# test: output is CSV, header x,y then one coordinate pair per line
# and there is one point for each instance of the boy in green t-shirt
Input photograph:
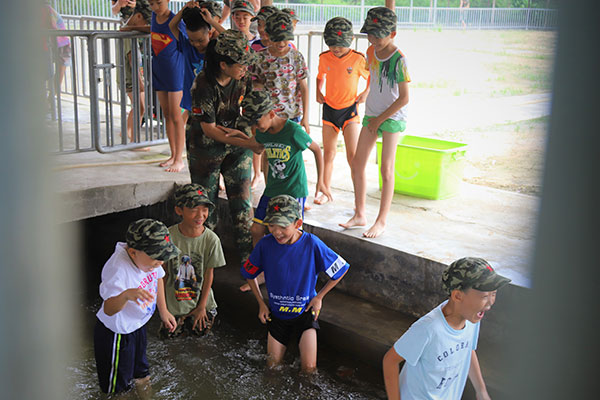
x,y
189,278
284,141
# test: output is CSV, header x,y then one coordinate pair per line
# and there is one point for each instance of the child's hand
x,y
206,15
131,3
320,97
122,3
361,98
190,4
321,188
304,123
315,307
229,132
139,295
373,125
199,317
169,321
264,314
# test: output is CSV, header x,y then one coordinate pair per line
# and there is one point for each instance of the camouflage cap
x,y
243,5
142,7
282,210
292,13
215,9
338,32
265,12
380,22
192,195
279,27
234,45
151,237
256,104
471,273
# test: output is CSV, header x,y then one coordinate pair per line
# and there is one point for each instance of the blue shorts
x,y
120,358
261,209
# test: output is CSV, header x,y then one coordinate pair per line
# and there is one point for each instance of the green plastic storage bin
x,y
427,168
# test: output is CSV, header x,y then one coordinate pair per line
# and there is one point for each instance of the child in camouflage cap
x,y
439,348
132,287
341,67
385,116
188,286
291,260
282,71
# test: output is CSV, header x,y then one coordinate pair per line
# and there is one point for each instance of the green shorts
x,y
389,125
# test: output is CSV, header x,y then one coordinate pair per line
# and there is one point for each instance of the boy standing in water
x,y
188,287
132,287
385,116
291,260
439,348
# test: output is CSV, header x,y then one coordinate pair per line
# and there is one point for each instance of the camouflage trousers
x,y
235,163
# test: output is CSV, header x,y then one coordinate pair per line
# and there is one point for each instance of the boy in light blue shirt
x,y
439,348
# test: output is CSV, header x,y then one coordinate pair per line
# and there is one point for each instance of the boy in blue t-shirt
x,y
200,27
439,348
291,260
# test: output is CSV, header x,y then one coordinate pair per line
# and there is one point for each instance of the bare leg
x,y
169,102
330,137
275,351
388,158
366,141
256,166
308,350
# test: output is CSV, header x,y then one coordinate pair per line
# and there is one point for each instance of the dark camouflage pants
x,y
235,163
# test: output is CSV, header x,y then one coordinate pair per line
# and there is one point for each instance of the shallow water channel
x,y
228,363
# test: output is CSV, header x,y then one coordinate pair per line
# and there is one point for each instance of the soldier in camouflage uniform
x,y
439,348
132,288
214,145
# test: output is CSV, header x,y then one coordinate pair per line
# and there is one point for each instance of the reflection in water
x,y
229,363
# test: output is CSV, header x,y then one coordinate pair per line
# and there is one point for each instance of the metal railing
x,y
316,15
91,103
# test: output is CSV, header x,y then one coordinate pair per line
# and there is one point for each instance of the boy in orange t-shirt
x,y
341,67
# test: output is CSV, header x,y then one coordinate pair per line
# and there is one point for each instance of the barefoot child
x,y
188,285
132,287
341,67
167,79
439,348
284,141
291,260
385,115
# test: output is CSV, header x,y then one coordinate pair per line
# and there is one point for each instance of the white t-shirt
x,y
119,274
437,357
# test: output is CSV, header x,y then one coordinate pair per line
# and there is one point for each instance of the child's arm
x,y
304,93
167,318
320,97
391,369
400,102
214,22
317,301
263,309
115,304
361,98
118,4
174,24
231,136
477,379
199,313
314,147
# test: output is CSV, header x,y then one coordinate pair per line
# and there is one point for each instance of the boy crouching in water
x,y
291,260
131,288
188,286
439,348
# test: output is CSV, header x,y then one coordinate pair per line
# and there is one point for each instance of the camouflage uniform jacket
x,y
214,103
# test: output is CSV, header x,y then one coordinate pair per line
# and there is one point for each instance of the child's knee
x,y
387,173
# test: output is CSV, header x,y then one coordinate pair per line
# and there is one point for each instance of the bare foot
x,y
245,288
260,279
141,149
307,207
167,163
322,199
354,221
221,183
175,167
374,231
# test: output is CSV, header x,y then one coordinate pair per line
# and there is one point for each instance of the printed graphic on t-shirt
x,y
186,283
278,154
160,41
288,304
150,284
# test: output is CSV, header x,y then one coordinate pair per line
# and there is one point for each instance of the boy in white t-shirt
x,y
131,288
439,348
